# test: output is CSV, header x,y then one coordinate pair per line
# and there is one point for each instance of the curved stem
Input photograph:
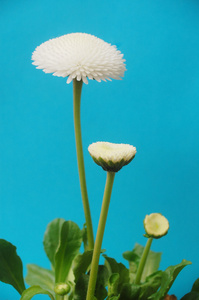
x,y
143,261
100,233
77,88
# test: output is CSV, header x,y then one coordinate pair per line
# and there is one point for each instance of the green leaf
x,y
168,277
134,256
191,296
52,238
11,269
35,290
129,292
81,263
194,294
40,276
115,267
151,285
102,282
70,242
81,287
142,291
113,284
100,290
195,287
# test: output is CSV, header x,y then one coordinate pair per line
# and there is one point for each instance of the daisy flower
x,y
79,56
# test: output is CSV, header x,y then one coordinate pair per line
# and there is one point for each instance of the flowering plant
x,y
74,274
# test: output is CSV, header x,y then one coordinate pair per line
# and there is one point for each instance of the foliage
x,y
62,242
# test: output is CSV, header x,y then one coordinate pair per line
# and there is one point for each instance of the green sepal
x,y
168,277
52,238
35,290
134,256
40,277
70,242
109,165
11,268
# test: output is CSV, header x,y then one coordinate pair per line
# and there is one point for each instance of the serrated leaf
x,y
40,276
11,268
134,256
52,238
168,277
81,263
70,242
35,290
115,267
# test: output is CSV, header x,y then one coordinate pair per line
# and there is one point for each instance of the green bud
x,y
62,288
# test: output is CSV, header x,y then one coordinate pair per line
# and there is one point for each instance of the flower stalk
x,y
100,233
77,88
143,260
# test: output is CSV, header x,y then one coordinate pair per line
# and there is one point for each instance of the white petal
x,y
81,56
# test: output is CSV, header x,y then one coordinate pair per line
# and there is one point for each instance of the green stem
x,y
100,233
77,88
143,261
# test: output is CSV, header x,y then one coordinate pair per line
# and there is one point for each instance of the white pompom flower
x,y
111,157
80,56
156,225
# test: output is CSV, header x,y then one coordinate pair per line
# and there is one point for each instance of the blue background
x,y
155,108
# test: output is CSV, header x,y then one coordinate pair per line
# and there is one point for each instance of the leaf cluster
x,y
62,244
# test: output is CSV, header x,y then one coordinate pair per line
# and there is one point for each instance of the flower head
x,y
156,225
111,157
81,56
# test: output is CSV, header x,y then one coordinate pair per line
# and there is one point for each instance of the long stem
x,y
143,261
77,88
100,233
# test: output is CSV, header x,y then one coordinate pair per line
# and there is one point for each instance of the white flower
x,y
111,157
80,56
156,225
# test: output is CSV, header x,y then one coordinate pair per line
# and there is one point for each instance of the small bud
x,y
111,157
62,288
156,225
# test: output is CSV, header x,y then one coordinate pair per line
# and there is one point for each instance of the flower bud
x,y
111,157
62,288
156,225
